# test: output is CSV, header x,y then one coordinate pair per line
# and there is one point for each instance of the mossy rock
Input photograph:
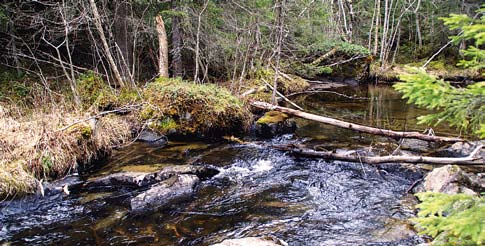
x,y
274,123
272,117
164,126
193,109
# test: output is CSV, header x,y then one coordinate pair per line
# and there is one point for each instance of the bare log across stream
x,y
356,157
355,127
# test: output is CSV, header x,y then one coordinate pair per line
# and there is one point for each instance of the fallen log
x,y
356,157
252,91
355,127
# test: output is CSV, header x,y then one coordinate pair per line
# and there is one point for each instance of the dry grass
x,y
32,147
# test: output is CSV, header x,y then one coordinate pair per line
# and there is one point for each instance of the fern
x,y
451,219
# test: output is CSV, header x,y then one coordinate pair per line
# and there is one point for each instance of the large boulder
x,y
452,180
160,194
184,109
253,241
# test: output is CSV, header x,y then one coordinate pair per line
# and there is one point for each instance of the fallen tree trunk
x,y
356,127
356,157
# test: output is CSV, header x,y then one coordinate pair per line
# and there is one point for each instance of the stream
x,y
257,192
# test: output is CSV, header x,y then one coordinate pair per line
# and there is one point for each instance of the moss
x,y
193,109
272,117
93,90
437,65
164,126
81,131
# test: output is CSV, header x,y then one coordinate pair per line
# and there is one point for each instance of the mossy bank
x,y
43,141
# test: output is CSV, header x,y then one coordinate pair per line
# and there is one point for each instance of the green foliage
x,y
451,219
309,70
463,108
92,89
472,29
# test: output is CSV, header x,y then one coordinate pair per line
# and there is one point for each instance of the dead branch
x,y
252,91
324,56
119,110
330,92
355,127
355,157
281,95
345,61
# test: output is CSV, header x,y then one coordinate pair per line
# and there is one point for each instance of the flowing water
x,y
258,191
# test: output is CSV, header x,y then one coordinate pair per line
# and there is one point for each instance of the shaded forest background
x,y
217,40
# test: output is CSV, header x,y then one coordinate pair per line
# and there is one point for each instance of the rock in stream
x,y
141,179
160,194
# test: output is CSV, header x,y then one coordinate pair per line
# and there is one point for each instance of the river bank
x,y
48,137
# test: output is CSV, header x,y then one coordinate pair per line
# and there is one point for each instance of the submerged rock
x,y
274,123
452,180
152,137
176,187
253,241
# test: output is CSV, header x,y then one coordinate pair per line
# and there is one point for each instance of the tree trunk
x,y
109,56
176,44
418,28
378,21
72,81
279,40
122,36
355,127
162,47
356,157
197,42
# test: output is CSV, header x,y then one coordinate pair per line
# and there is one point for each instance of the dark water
x,y
259,191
